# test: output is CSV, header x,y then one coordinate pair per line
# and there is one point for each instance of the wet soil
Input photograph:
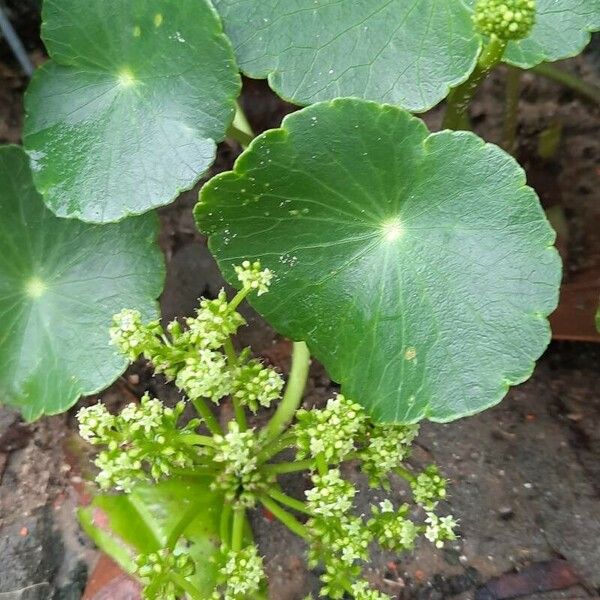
x,y
525,475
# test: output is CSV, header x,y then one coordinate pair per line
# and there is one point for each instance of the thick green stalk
x,y
225,525
240,130
237,533
293,392
586,90
288,520
461,96
511,109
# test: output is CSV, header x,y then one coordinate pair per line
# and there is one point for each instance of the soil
x,y
525,475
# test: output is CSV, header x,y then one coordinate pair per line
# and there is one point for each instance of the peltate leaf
x,y
61,281
406,53
562,30
127,113
141,522
418,267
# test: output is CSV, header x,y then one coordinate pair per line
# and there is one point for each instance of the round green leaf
x,y
405,53
61,281
418,267
562,29
127,113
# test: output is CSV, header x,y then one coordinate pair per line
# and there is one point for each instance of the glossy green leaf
x,y
60,283
562,30
127,113
405,53
418,267
598,319
142,521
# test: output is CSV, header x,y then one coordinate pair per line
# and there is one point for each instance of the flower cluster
x,y
440,529
214,323
330,432
205,375
253,278
362,591
428,488
387,446
255,384
331,495
131,336
146,442
392,528
240,575
154,571
239,478
505,19
143,442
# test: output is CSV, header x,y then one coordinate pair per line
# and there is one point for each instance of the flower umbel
x,y
154,572
252,277
241,574
429,487
143,443
505,19
329,432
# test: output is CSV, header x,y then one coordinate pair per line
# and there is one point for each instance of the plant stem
x,y
197,440
225,525
293,392
204,411
289,467
288,501
511,109
237,533
240,129
288,520
461,96
188,516
232,361
322,465
587,90
405,474
282,443
186,586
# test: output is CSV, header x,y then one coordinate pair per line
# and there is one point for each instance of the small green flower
x,y
205,375
255,384
505,19
253,278
331,495
241,574
143,442
387,446
240,479
329,432
153,570
336,577
429,487
393,529
362,591
213,323
131,337
440,529
95,423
